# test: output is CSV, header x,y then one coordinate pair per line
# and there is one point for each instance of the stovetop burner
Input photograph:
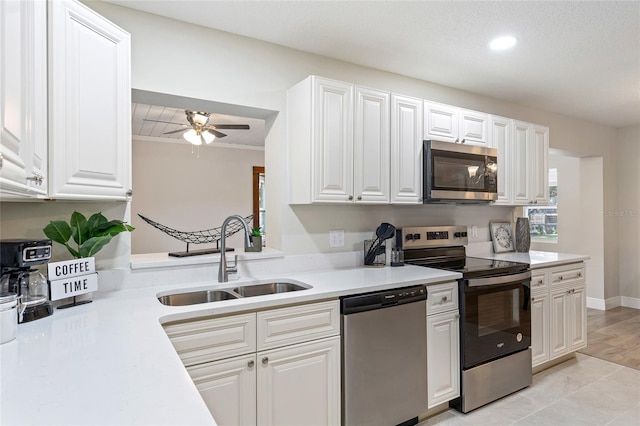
x,y
443,248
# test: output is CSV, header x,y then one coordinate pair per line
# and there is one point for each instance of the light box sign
x,y
72,277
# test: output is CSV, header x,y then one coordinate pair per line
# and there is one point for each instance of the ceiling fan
x,y
200,131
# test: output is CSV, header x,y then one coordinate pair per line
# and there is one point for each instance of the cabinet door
x,y
406,150
473,127
300,384
443,357
441,122
333,141
521,166
23,99
539,328
539,158
558,334
371,146
89,107
500,138
578,315
229,389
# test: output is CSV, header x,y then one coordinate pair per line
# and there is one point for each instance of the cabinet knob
x,y
129,193
533,299
359,197
463,141
250,364
540,281
457,316
568,291
579,274
265,360
350,197
535,202
443,300
457,140
560,278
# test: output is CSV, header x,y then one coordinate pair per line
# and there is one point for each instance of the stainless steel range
x,y
495,314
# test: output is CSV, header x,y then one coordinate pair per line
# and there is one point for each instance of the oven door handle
x,y
504,279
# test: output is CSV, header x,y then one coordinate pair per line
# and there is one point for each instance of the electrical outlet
x,y
474,231
336,238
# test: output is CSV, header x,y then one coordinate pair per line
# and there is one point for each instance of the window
x,y
259,211
543,220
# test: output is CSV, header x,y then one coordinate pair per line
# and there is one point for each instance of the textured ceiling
x,y
577,58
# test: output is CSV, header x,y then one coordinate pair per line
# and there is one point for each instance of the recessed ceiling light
x,y
502,43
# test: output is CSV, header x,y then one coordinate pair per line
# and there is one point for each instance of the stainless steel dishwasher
x,y
384,357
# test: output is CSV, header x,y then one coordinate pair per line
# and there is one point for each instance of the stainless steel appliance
x,y
459,173
384,357
17,259
495,313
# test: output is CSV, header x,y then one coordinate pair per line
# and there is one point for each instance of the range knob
x,y
416,236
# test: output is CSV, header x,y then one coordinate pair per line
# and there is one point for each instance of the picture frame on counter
x,y
502,237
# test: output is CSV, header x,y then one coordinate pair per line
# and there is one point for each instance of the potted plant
x,y
89,235
256,239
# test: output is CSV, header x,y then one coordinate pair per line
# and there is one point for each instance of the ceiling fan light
x,y
192,136
208,137
200,117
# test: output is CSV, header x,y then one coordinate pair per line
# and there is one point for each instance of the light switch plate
x,y
336,238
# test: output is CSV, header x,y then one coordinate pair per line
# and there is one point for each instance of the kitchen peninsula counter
x,y
110,361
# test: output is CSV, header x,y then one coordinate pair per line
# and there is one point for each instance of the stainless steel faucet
x,y
223,270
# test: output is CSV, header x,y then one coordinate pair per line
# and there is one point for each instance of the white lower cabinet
x,y
558,312
539,328
288,372
228,388
300,384
443,343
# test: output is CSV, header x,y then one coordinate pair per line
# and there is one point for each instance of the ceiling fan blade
x,y
173,131
167,122
217,133
231,126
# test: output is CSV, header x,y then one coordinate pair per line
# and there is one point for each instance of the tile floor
x,y
581,391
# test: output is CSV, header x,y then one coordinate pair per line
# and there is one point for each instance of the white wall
x,y
239,70
627,215
189,190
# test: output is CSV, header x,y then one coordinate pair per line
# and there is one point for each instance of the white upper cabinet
x,y
500,138
452,124
371,146
406,150
529,163
23,99
338,148
89,105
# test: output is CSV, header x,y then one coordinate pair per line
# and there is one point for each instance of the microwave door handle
x,y
504,279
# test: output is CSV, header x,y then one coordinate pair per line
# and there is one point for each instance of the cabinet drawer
x,y
214,338
297,324
567,274
442,297
539,279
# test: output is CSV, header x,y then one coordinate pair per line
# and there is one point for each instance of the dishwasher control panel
x,y
382,299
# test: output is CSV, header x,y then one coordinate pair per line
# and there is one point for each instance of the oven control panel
x,y
431,236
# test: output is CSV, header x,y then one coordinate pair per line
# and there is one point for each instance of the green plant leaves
x,y
89,235
93,245
58,231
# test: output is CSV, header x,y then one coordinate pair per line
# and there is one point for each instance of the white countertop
x,y
110,361
537,259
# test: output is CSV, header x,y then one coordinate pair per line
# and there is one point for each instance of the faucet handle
x,y
233,269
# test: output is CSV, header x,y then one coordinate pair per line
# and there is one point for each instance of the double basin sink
x,y
206,296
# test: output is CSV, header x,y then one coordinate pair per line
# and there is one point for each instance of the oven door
x,y
495,317
459,172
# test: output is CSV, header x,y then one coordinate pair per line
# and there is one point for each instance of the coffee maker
x,y
17,259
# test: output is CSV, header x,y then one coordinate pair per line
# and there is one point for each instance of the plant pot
x,y
257,244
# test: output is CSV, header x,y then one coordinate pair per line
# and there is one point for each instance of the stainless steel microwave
x,y
458,173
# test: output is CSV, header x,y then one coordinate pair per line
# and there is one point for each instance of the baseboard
x,y
630,302
613,302
594,303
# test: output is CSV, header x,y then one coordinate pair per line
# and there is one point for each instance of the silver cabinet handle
x,y
36,178
265,360
251,364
